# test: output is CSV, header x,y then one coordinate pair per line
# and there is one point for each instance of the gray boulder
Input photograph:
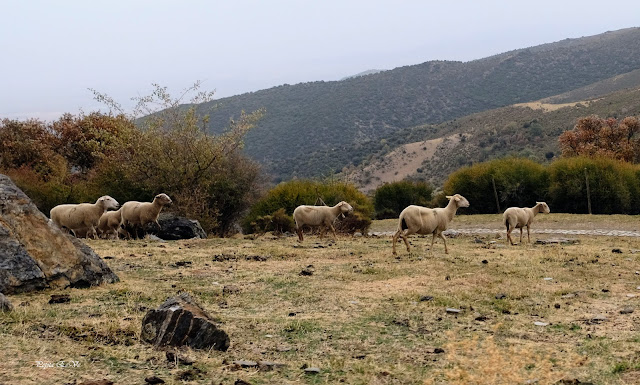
x,y
173,227
180,321
35,254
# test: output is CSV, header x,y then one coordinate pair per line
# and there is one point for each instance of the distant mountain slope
x,y
363,73
432,152
316,128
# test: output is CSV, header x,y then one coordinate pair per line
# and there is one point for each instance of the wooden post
x,y
586,180
495,193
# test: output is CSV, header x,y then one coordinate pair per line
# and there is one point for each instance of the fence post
x,y
495,194
586,180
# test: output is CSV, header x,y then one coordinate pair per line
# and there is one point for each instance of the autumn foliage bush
x,y
79,158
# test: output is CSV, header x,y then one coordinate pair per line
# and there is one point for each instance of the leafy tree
x,y
597,137
205,175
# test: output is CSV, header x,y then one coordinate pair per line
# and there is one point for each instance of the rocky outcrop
x,y
180,321
35,254
173,227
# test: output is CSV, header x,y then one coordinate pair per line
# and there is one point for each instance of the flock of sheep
x,y
94,219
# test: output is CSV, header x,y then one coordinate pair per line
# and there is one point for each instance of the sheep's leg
x,y
333,230
406,241
433,239
509,236
521,235
394,240
528,237
444,240
299,232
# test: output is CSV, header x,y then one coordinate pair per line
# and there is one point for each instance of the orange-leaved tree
x,y
593,136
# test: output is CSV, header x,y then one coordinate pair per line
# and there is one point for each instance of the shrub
x,y
391,198
289,195
519,182
614,186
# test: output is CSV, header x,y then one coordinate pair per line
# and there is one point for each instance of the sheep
x,y
83,216
518,217
422,220
319,216
135,213
109,224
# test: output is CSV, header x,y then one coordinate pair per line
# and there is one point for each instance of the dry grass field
x,y
363,317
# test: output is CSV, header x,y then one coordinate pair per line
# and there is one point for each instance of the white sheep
x,y
109,224
83,216
423,220
319,216
519,217
135,213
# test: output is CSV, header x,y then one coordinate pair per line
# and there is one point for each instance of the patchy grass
x,y
363,317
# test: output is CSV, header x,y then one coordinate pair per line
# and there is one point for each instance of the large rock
x,y
180,321
36,254
173,227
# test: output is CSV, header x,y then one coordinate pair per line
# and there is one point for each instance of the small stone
x,y
631,295
268,335
617,251
246,364
598,319
153,380
484,261
501,296
59,298
5,304
241,382
269,365
309,270
292,314
548,279
605,290
425,298
96,382
557,306
626,310
569,295
538,323
180,359
438,350
453,310
230,289
312,370
481,318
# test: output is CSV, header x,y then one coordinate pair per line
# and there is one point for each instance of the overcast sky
x,y
51,52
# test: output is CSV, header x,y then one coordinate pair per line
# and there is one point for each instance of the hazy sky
x,y
51,52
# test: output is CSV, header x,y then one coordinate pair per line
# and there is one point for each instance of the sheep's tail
x,y
403,224
506,223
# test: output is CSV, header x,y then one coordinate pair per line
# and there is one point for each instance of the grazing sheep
x,y
109,224
138,214
82,217
422,220
319,216
519,217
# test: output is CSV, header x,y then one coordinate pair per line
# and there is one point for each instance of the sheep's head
x,y
345,207
459,200
544,208
163,199
108,202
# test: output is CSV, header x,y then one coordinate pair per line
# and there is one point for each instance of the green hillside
x,y
527,130
317,128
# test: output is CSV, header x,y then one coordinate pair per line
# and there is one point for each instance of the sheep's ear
x,y
448,197
457,198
